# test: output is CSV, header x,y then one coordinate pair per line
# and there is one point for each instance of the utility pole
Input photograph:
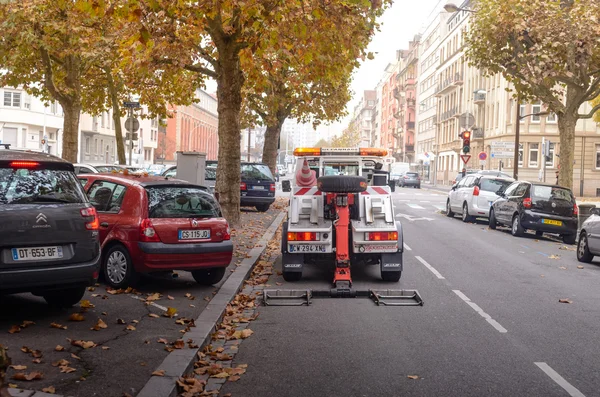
x,y
249,142
131,137
517,131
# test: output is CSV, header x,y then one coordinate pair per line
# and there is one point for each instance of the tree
x,y
323,143
223,40
595,102
350,137
549,51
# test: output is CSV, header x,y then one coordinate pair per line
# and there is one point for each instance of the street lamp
x,y
517,138
451,7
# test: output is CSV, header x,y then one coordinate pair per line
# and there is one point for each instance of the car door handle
x,y
104,224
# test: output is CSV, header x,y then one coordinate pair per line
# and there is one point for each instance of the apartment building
x,y
364,118
406,96
389,107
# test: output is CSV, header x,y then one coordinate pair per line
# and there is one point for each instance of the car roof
x,y
7,155
139,180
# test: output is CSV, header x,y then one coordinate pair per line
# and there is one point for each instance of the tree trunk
x,y
72,111
230,80
114,98
566,126
269,155
4,363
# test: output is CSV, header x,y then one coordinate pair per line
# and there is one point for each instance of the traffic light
x,y
466,137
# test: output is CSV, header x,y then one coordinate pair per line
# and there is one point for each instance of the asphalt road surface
x,y
492,323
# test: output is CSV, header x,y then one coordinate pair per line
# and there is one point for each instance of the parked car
x,y
589,238
473,196
210,175
410,178
96,168
170,171
150,224
536,206
257,186
156,169
495,173
459,176
48,229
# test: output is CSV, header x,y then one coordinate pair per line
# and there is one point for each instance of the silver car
x,y
473,196
589,238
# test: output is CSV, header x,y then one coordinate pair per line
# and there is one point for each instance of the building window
x,y
598,156
550,159
96,148
551,118
536,108
53,107
87,145
103,120
520,154
533,154
522,110
94,123
12,99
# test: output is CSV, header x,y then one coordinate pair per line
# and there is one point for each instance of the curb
x,y
180,362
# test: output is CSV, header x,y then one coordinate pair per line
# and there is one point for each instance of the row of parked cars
x,y
60,232
522,206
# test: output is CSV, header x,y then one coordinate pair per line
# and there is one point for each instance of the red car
x,y
150,224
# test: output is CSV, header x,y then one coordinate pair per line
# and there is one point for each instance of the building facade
x,y
363,119
389,107
406,95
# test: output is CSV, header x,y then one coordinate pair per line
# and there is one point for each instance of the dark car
x,y
153,224
539,207
257,186
49,242
410,178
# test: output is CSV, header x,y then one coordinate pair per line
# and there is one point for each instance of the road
x,y
492,323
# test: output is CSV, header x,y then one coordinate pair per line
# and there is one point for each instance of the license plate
x,y
36,253
552,222
194,234
258,187
306,248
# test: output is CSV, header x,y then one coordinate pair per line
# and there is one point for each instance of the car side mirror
x,y
286,186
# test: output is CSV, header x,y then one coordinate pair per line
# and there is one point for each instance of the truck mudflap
x,y
391,263
292,262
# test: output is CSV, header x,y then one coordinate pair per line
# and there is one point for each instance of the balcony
x,y
448,84
478,133
458,79
479,98
410,125
409,148
411,102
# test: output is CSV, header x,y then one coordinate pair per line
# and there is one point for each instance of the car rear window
x,y
181,202
546,193
494,185
35,186
108,168
412,174
256,171
210,173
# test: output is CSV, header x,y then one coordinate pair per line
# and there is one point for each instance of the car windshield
x,y
210,173
546,193
256,171
340,169
494,185
108,168
181,202
27,186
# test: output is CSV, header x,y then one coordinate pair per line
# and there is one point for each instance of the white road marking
x,y
428,266
415,206
410,218
164,309
440,207
479,310
406,247
424,201
560,380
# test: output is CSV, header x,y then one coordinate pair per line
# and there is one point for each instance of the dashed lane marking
x,y
428,266
555,376
480,311
415,206
406,247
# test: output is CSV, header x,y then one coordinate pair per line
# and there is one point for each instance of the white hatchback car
x,y
473,196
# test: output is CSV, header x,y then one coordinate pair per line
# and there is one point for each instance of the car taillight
x,y
382,236
575,209
476,191
227,234
91,212
272,187
24,164
147,232
527,203
242,186
405,177
301,236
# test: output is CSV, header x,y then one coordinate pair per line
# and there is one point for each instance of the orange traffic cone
x,y
305,177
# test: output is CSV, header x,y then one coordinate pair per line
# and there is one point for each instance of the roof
x,y
140,180
28,155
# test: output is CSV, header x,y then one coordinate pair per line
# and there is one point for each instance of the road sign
x,y
467,120
133,105
132,124
482,156
502,150
128,136
465,158
482,162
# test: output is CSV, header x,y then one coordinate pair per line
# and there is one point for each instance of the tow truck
x,y
341,215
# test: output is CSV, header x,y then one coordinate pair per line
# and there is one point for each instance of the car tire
x,y
209,276
291,276
65,297
516,229
449,212
117,268
263,207
493,221
391,276
465,214
569,239
583,249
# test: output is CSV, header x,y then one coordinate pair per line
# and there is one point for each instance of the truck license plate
x,y
306,248
194,234
36,253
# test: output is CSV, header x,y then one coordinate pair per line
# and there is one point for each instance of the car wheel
x,y
118,269
516,229
291,276
449,212
391,276
263,207
465,214
493,221
569,238
583,249
65,297
208,276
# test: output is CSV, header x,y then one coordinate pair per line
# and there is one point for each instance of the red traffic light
x,y
466,135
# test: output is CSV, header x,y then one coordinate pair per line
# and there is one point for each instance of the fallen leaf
x,y
562,268
190,296
234,378
58,326
27,323
86,304
171,311
412,377
104,313
67,370
36,353
75,356
49,389
179,344
163,340
37,361
60,363
130,328
169,297
153,297
246,333
13,386
120,321
565,300
135,321
14,329
59,348
84,344
192,306
25,349
28,377
554,257
160,372
153,315
220,375
76,317
579,267
19,367
207,298
99,325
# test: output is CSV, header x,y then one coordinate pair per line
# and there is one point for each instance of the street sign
x,y
482,162
128,136
132,124
502,150
467,120
482,156
465,158
133,105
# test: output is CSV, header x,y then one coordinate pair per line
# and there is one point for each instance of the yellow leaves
x,y
413,377
153,315
566,300
153,297
86,304
160,372
130,328
171,311
76,317
49,390
57,326
59,348
99,325
19,367
242,334
83,344
28,376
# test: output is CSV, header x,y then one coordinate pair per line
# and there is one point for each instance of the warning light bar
x,y
302,152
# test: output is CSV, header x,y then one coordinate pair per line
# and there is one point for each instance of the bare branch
x,y
49,77
591,113
592,92
201,69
